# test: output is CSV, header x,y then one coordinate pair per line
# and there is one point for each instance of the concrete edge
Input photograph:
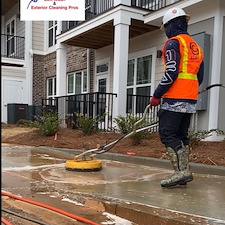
x,y
143,214
140,160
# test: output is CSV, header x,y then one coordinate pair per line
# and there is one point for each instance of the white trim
x,y
13,61
12,68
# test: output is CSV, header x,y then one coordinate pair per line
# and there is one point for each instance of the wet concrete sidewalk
x,y
128,186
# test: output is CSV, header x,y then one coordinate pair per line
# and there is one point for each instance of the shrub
x,y
126,124
87,124
49,123
28,123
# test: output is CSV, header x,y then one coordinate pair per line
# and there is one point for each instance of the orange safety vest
x,y
191,56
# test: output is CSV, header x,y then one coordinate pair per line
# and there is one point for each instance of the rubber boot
x,y
180,162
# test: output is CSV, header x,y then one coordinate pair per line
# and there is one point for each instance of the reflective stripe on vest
x,y
186,84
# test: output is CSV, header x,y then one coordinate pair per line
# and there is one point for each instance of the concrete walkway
x,y
129,186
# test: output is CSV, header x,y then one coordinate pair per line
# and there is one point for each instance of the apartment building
x,y
111,62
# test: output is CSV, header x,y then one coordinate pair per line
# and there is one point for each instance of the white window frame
x,y
53,95
6,24
135,56
54,27
74,82
140,54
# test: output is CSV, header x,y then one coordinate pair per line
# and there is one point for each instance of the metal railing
x,y
98,105
152,4
12,46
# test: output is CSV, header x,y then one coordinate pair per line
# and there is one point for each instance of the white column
x,y
123,2
59,27
61,52
29,62
121,46
215,73
88,69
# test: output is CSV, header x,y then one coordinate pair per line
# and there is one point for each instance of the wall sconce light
x,y
159,54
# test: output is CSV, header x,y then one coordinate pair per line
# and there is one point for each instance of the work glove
x,y
154,101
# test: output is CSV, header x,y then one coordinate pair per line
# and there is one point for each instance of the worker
x,y
177,93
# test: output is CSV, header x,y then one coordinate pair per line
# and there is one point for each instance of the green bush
x,y
86,124
126,125
49,123
28,123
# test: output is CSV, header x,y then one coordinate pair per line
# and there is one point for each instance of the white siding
x,y
13,72
38,35
20,28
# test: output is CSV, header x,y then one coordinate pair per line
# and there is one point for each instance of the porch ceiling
x,y
6,5
103,35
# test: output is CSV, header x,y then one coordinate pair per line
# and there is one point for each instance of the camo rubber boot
x,y
180,162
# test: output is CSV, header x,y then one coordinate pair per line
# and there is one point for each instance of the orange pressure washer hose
x,y
81,219
6,222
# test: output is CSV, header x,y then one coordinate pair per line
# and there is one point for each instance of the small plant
x,y
87,124
196,137
27,123
49,123
126,124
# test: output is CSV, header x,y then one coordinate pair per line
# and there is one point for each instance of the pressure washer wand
x,y
211,86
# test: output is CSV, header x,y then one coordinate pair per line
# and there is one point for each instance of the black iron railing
x,y
12,46
98,105
152,4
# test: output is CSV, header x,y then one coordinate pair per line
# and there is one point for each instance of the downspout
x,y
29,61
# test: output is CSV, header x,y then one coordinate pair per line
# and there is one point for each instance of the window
x,y
139,83
52,28
51,87
10,30
102,68
77,82
66,25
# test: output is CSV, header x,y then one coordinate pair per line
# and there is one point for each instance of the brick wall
x,y
45,67
38,79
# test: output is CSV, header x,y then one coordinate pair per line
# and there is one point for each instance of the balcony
x,y
12,47
96,7
97,31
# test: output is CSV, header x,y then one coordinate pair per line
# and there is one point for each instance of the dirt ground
x,y
212,153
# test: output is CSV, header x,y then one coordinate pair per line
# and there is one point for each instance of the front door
x,y
102,100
